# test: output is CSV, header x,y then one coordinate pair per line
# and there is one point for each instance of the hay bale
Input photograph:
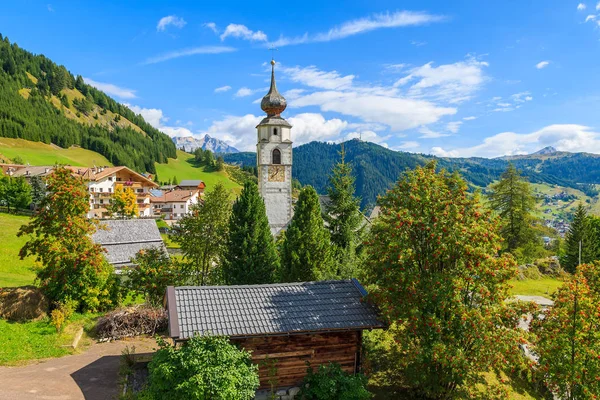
x,y
131,321
22,303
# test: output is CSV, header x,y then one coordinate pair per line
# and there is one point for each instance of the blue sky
x,y
466,78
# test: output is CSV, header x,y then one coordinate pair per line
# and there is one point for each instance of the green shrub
x,y
330,382
57,319
205,367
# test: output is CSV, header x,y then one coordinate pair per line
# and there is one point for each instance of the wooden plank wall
x,y
292,352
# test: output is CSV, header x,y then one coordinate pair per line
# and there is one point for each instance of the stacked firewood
x,y
131,321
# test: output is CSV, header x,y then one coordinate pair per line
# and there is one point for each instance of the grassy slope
x,y
13,270
183,168
37,153
535,287
35,340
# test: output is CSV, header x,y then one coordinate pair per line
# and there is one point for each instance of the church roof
x,y
273,103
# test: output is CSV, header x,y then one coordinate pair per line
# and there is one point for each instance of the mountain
x,y
190,143
41,101
546,150
377,168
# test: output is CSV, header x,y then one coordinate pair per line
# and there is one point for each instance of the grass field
x,y
13,270
35,340
535,287
183,168
37,153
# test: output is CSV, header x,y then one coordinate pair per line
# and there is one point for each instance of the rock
x,y
292,392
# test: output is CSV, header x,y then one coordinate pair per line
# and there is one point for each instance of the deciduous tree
x,y
124,202
251,256
202,235
569,337
73,267
306,251
435,271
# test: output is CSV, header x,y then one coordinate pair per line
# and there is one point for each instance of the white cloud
x,y
521,97
174,20
409,145
313,126
598,6
428,133
439,152
242,32
212,26
244,92
372,104
396,112
156,118
111,89
591,17
563,137
581,6
418,43
450,82
471,118
542,64
312,76
363,25
222,89
368,136
189,52
453,126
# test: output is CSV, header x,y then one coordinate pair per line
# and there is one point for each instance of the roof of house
x,y
124,238
190,182
275,309
174,196
98,173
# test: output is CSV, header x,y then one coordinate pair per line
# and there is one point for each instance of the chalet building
x,y
293,323
191,184
103,181
173,204
124,238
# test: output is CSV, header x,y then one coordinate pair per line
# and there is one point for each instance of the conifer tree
x,y
513,200
306,250
251,256
579,231
174,181
38,191
342,212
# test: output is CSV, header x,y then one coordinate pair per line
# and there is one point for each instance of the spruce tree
x,y
342,212
250,256
38,191
306,251
174,181
513,200
580,231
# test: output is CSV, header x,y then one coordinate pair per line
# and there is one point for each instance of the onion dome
x,y
273,103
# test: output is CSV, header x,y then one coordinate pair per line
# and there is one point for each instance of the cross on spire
x,y
273,49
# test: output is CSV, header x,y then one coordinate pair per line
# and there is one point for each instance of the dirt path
x,y
92,375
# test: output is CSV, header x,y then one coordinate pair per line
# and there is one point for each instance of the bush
x,y
205,367
151,275
22,303
131,321
57,319
330,382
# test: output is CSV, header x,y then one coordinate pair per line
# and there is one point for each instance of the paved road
x,y
92,375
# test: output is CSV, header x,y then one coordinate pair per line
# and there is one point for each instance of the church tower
x,y
274,159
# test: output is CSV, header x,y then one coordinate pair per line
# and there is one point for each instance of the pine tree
x,y
342,212
174,181
38,191
251,256
514,201
306,250
580,231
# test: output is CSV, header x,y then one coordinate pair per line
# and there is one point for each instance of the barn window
x,y
276,156
275,131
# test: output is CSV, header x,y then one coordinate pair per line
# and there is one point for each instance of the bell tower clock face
x,y
276,173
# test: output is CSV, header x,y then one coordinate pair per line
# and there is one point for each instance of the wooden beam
x,y
284,355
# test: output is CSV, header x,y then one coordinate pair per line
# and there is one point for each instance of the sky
x,y
455,79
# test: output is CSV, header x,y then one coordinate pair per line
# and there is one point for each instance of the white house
x,y
174,204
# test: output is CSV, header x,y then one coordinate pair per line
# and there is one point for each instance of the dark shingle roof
x,y
258,310
124,238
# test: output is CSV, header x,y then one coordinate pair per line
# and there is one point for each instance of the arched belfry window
x,y
276,156
275,131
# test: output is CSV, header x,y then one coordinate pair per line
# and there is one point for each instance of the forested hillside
x,y
43,102
377,168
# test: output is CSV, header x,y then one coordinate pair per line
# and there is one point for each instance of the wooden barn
x,y
292,323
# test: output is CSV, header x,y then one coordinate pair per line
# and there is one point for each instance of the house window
x,y
140,190
276,156
181,206
101,201
275,131
100,190
109,190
